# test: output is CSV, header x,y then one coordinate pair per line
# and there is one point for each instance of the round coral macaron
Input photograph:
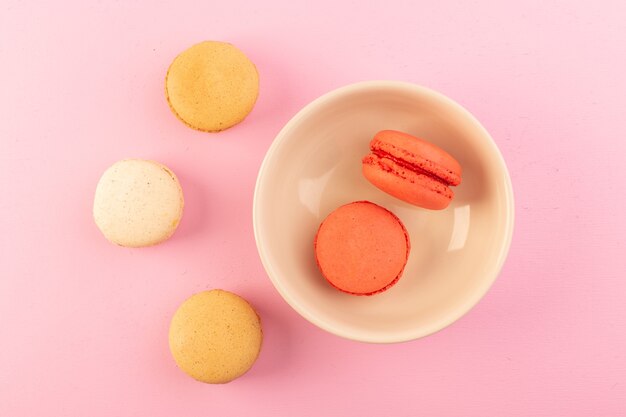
x,y
215,336
362,248
211,86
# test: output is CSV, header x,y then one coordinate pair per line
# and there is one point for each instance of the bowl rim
x,y
370,337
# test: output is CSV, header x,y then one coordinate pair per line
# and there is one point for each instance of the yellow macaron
x,y
215,336
211,86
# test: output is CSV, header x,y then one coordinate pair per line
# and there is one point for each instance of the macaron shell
x,y
138,203
215,336
362,248
417,153
405,184
211,86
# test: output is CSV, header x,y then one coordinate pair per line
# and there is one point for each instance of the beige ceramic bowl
x,y
314,166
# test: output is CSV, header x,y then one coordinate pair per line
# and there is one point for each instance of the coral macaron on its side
x,y
412,169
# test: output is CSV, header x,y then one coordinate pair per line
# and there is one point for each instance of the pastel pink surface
x,y
84,323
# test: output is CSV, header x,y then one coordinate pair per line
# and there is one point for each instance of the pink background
x,y
83,324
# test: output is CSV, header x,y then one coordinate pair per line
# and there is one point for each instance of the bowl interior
x,y
314,166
